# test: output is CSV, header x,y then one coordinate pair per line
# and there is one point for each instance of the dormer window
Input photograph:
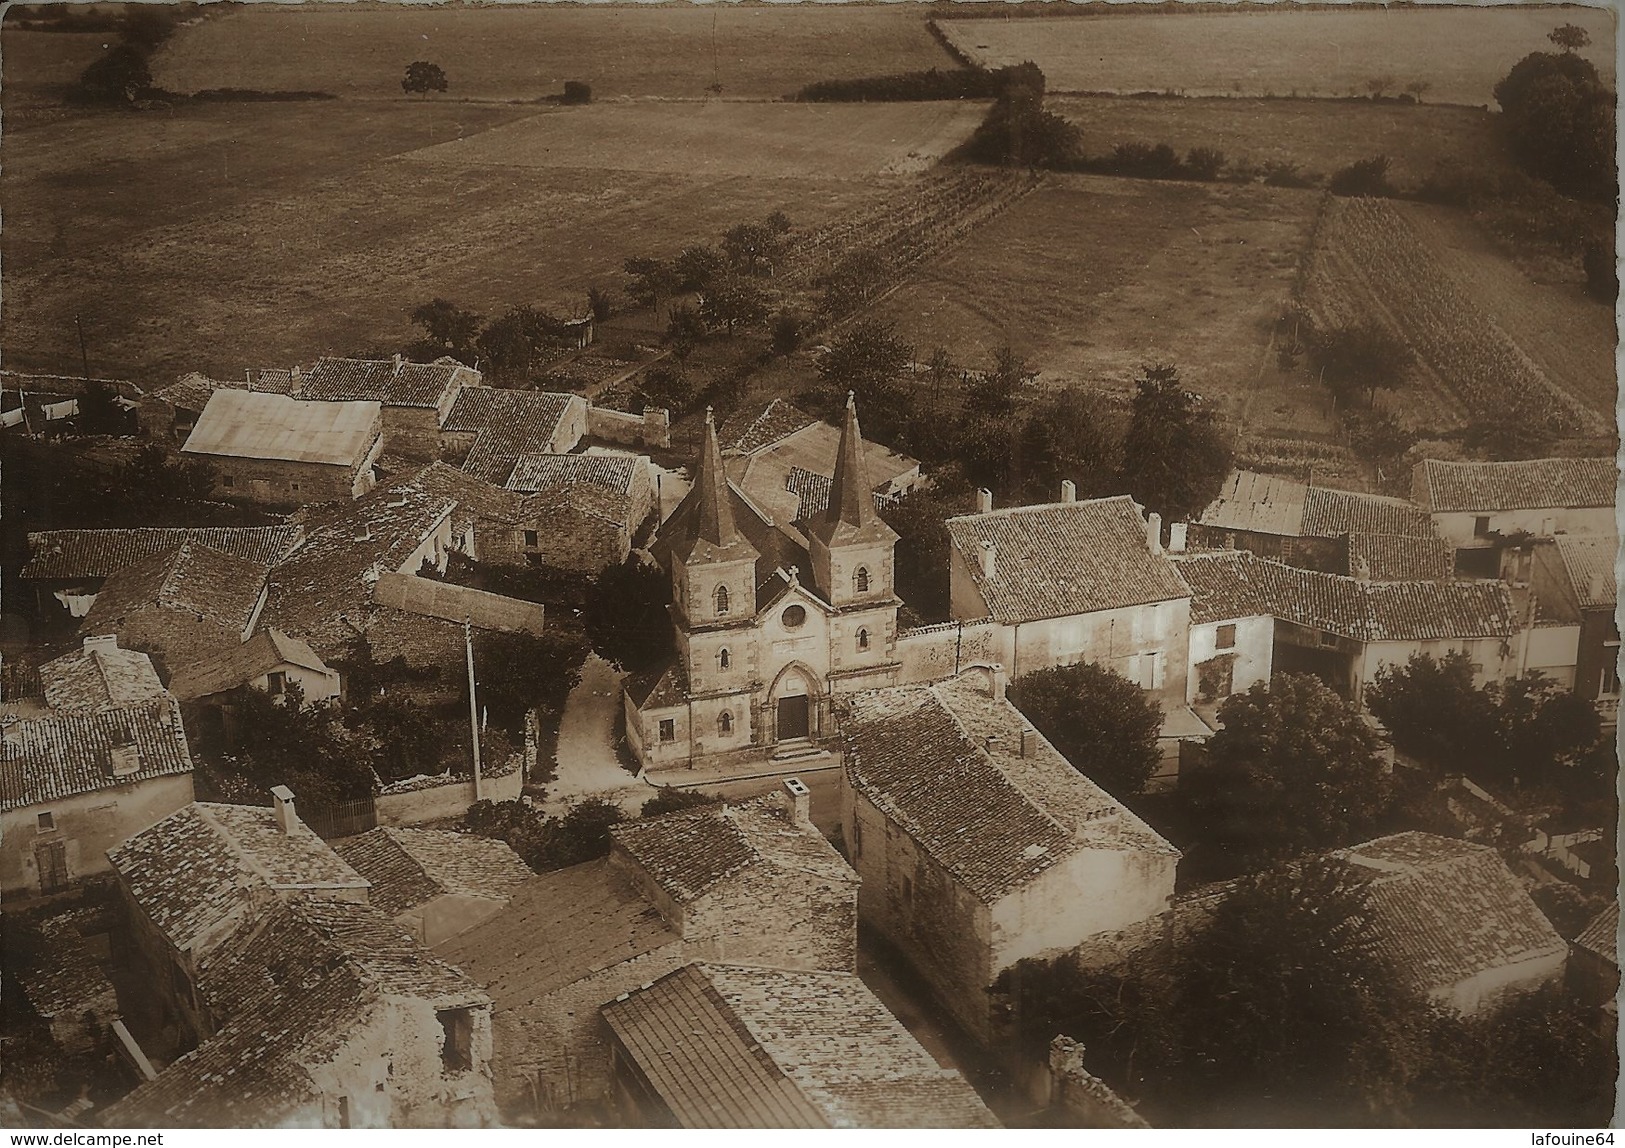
x,y
860,580
725,723
723,660
863,639
721,597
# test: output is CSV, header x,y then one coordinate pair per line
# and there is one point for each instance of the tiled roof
x,y
233,667
1269,504
731,1046
812,492
252,424
196,580
67,979
1236,584
1064,558
534,472
410,866
385,381
54,757
475,496
750,431
97,678
1442,910
1589,560
990,816
558,928
1601,936
1331,513
197,867
658,689
68,554
325,588
1400,557
507,424
190,392
584,498
1535,484
690,852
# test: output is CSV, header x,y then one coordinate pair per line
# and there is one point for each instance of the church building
x,y
773,619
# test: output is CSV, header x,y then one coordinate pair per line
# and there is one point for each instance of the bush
x,y
1364,177
576,92
786,332
957,84
1281,174
1204,163
121,75
670,799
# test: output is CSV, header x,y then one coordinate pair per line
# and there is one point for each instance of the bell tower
x,y
713,569
851,547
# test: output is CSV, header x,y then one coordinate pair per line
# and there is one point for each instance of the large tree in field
x,y
513,346
1558,117
1175,457
730,302
1101,722
423,77
447,330
1293,769
625,615
1361,359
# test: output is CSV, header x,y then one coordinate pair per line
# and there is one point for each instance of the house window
x,y
530,539
863,639
1328,639
794,617
721,600
227,480
668,729
860,580
344,1111
1226,638
723,660
1481,526
1610,670
277,681
725,723
47,821
457,1050
857,839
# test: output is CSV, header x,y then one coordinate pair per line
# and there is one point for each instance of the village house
x,y
67,987
749,883
169,413
1321,528
1343,630
761,652
181,606
585,510
490,428
277,451
716,1045
99,676
270,661
324,1014
979,845
1477,507
783,461
1594,961
1575,638
72,565
1232,634
415,398
435,883
1453,921
73,785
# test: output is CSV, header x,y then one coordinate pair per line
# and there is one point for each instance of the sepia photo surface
x,y
808,565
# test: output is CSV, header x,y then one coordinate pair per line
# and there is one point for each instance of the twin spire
x,y
715,520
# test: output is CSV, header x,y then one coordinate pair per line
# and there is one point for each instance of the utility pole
x,y
473,705
84,356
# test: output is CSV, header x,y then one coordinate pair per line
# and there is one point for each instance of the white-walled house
x,y
1232,642
270,661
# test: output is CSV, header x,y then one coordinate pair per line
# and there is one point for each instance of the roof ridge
x,y
935,689
1007,511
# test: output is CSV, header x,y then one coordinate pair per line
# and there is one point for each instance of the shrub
x,y
786,332
1204,163
122,74
1278,173
576,92
1363,177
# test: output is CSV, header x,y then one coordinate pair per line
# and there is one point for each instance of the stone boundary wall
x,y
454,603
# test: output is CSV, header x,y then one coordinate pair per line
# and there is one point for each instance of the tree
x,y
1204,163
856,279
670,799
625,616
515,673
282,741
698,267
993,393
684,330
408,736
1361,358
1569,37
1418,88
99,412
122,74
1558,118
600,303
1293,768
423,77
447,330
547,843
1363,177
667,387
732,301
1101,722
1174,458
1017,131
921,555
866,359
650,281
513,346
1432,710
1066,436
576,92
757,248
787,332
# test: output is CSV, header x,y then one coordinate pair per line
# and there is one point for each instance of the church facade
x,y
773,620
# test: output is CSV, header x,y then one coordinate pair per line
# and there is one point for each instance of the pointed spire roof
x,y
850,515
705,526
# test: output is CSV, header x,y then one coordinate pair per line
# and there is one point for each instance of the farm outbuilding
x,y
280,451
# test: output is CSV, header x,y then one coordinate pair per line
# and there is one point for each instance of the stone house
x,y
182,606
1073,581
66,985
324,1014
1594,960
72,565
1231,650
584,510
1477,506
434,883
749,883
73,785
98,677
169,413
270,661
1575,638
489,428
415,399
716,1045
979,845
282,452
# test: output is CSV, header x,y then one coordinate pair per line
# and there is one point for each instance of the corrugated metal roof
x,y
251,424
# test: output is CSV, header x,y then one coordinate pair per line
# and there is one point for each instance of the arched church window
x,y
723,659
725,723
721,597
860,580
863,639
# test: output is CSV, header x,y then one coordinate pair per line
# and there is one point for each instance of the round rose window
x,y
794,617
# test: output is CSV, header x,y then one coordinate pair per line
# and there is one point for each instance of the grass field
x,y
724,139
524,53
1460,52
1317,135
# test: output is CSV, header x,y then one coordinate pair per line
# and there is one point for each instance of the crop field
x,y
525,52
1372,263
1460,51
724,139
1316,135
1092,277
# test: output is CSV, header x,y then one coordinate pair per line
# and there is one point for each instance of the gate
x,y
341,819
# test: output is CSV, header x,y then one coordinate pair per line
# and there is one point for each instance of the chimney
x,y
998,680
1069,490
397,361
363,533
990,554
984,500
1176,537
1029,742
991,743
293,378
248,373
101,642
1362,569
1153,532
286,818
800,801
